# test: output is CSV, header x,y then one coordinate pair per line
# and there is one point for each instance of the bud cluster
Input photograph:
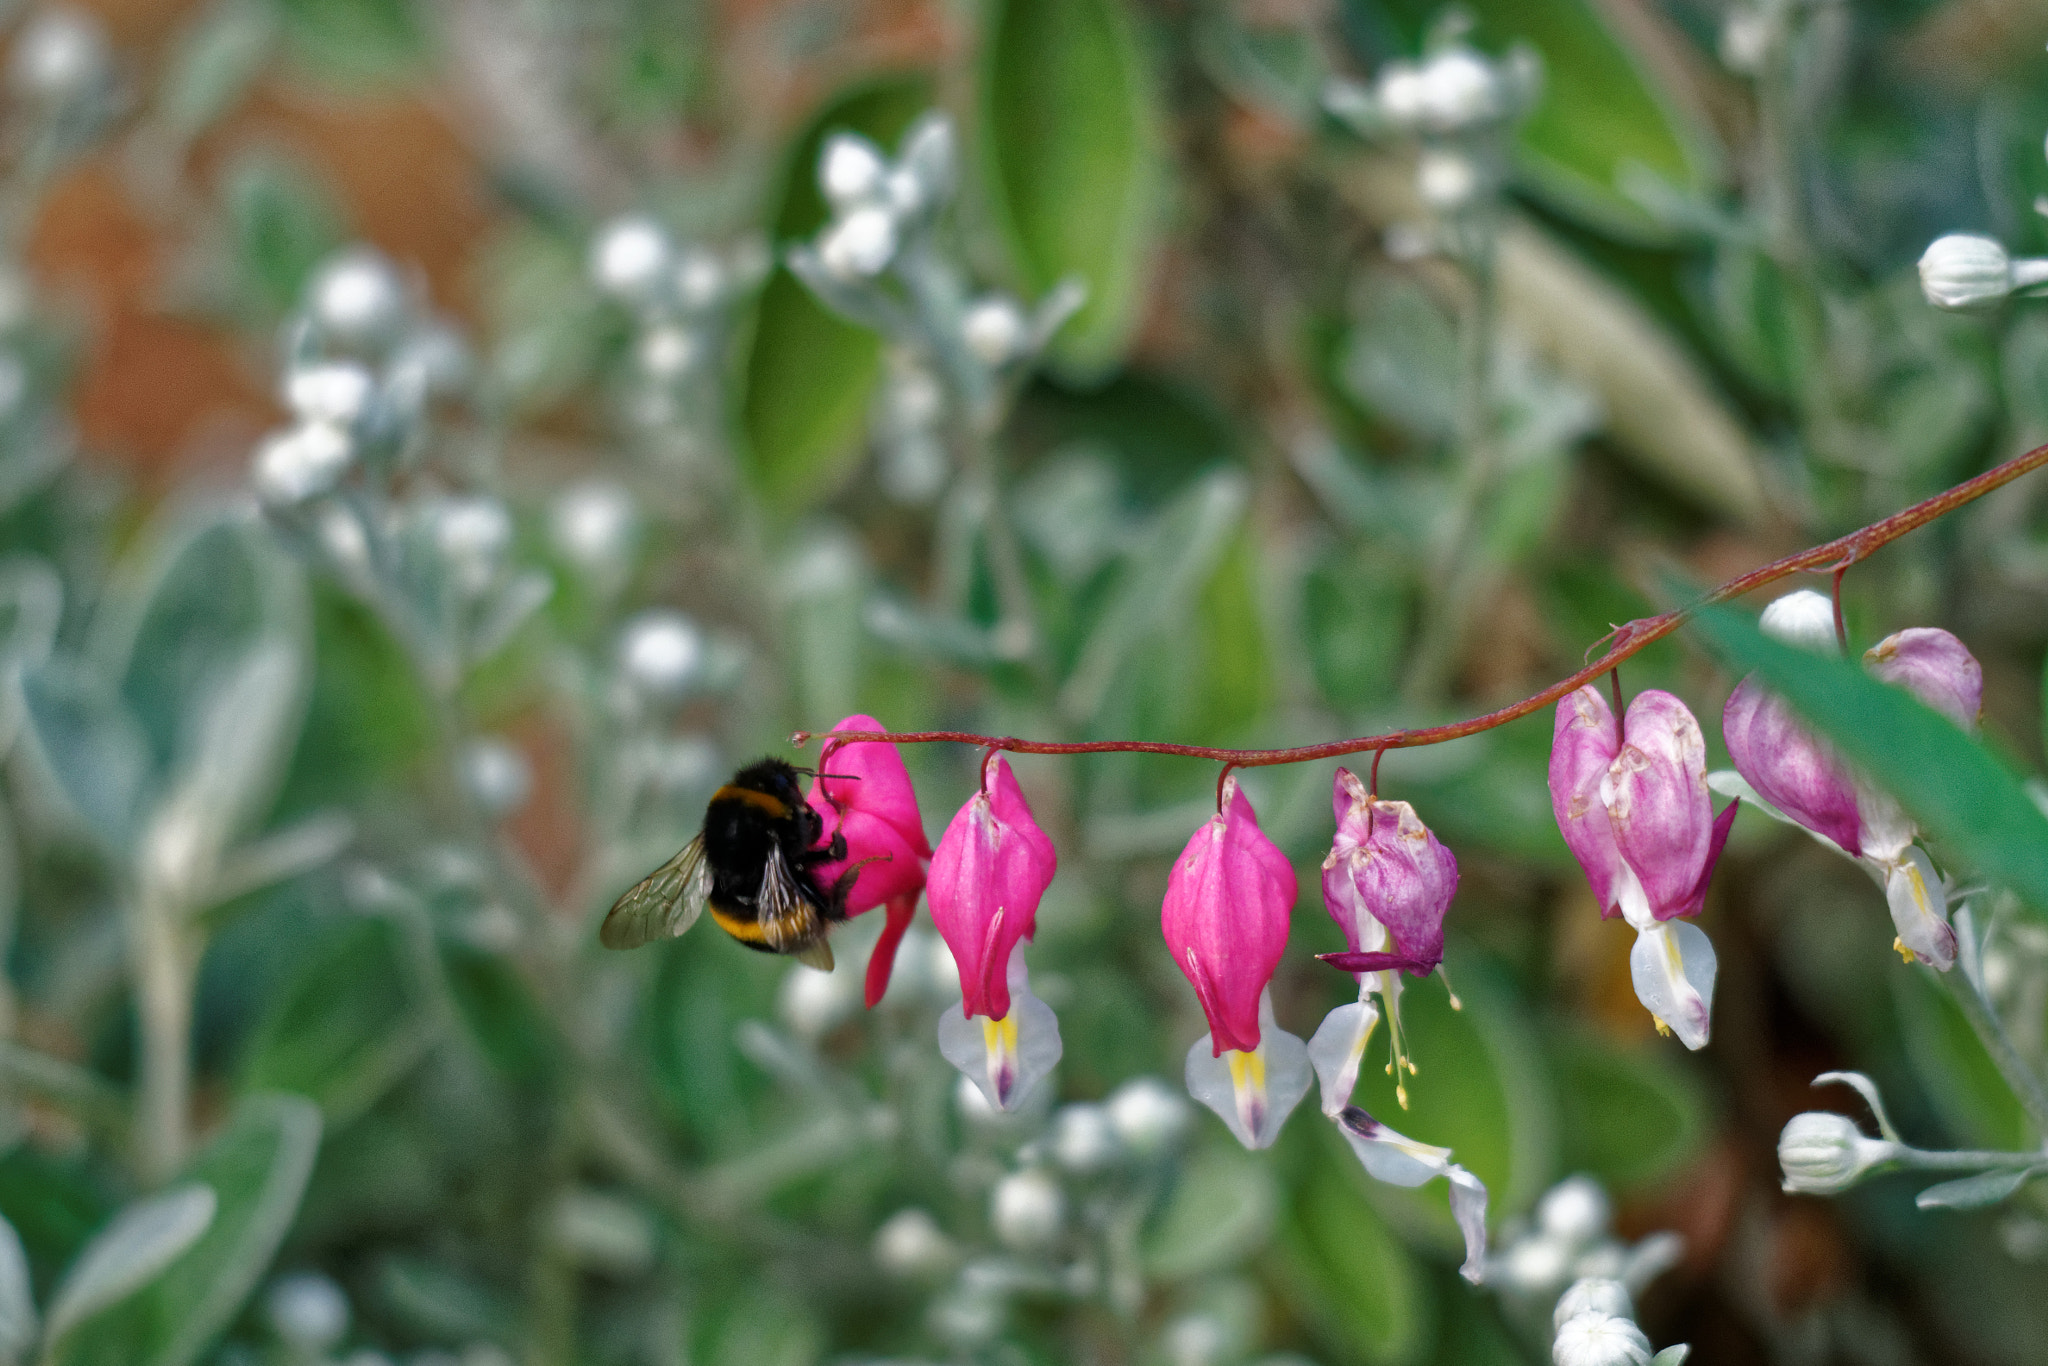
x,y
882,261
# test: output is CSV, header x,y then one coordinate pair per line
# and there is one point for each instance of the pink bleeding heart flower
x,y
863,792
1387,883
992,866
1790,767
1228,899
1634,808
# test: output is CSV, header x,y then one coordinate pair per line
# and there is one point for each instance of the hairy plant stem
x,y
2026,1083
1622,643
1460,567
165,959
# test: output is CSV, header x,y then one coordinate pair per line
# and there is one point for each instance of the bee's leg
x,y
846,879
831,853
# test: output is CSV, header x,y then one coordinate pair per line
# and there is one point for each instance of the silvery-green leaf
x,y
238,740
214,64
129,1253
260,1163
519,599
17,1309
91,745
1674,1355
1975,1192
296,849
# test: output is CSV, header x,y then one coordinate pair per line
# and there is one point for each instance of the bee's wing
x,y
661,905
789,922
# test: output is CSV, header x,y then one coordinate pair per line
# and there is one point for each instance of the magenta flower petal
x,y
864,793
1935,667
883,960
1657,797
1225,918
1583,744
1789,766
992,866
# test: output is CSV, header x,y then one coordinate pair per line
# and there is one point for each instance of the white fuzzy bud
x,y
850,170
474,535
1593,1295
593,526
497,775
1963,271
1823,1153
338,393
1148,1115
860,245
1574,1211
357,297
1084,1140
700,278
927,160
1447,181
303,463
666,353
911,1244
1745,40
1459,89
1402,93
307,1311
1805,619
58,55
1600,1340
629,258
1027,1210
995,330
661,653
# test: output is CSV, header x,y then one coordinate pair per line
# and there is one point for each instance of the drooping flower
x,y
1400,1161
1800,778
1387,883
1004,1058
863,792
1225,919
1633,805
992,866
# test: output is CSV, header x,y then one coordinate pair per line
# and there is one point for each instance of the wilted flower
x,y
991,867
1399,1161
863,792
1801,777
1387,883
1634,809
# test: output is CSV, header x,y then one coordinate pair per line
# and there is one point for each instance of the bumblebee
x,y
754,865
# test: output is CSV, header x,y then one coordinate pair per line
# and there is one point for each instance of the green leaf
x,y
1951,785
17,1308
1975,1192
1953,1067
807,373
217,59
1347,1273
353,41
1625,1116
439,1301
1069,135
1220,1209
284,222
258,1165
759,1327
92,745
129,1253
343,1029
1354,619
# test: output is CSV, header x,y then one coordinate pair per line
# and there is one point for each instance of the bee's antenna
x,y
850,777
